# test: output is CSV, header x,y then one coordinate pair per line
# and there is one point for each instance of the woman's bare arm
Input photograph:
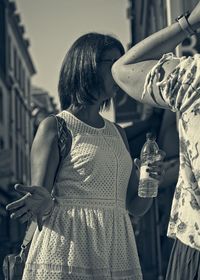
x,y
45,154
44,163
161,42
136,205
132,68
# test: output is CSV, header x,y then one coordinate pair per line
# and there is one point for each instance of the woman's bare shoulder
x,y
49,125
47,132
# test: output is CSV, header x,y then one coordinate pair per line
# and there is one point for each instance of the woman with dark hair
x,y
84,232
150,73
79,83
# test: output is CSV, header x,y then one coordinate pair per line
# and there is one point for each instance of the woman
x,y
150,74
86,233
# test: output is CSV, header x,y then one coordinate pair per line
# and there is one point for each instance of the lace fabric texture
x,y
89,234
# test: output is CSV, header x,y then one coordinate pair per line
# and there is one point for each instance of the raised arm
x,y
131,69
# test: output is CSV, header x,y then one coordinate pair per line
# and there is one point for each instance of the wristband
x,y
184,24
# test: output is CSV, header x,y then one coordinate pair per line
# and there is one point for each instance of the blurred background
x,y
34,37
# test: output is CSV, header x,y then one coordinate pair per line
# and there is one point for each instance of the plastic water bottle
x,y
148,186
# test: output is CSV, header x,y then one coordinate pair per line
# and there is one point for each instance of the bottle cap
x,y
150,136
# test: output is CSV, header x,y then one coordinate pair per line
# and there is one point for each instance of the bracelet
x,y
184,24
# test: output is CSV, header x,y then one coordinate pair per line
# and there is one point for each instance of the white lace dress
x,y
89,234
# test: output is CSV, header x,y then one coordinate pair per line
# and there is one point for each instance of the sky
x,y
53,25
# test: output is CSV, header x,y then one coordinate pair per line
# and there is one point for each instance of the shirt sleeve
x,y
180,88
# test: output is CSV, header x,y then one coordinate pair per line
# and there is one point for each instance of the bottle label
x,y
144,174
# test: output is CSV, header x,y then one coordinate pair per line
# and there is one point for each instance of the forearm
x,y
42,179
154,46
161,42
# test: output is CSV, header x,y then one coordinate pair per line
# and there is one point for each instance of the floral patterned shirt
x,y
180,91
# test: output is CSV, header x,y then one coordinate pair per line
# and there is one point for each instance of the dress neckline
x,y
87,125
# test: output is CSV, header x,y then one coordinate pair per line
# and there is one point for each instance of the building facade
x,y
16,70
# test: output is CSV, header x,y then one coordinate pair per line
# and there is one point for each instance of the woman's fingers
x,y
20,212
18,203
34,204
156,170
155,176
24,189
26,217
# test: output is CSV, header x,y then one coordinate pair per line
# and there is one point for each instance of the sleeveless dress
x,y
89,233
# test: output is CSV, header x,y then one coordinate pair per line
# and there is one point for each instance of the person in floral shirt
x,y
150,73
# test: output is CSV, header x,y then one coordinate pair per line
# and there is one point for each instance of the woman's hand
x,y
156,169
36,203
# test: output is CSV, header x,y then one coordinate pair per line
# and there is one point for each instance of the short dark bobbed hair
x,y
78,80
